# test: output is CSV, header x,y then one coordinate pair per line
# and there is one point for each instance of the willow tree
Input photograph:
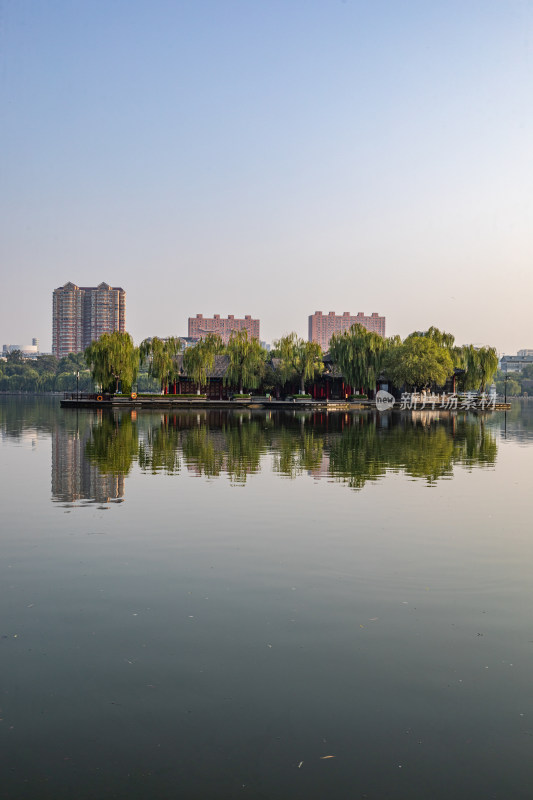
x,y
199,359
359,354
419,362
441,338
113,359
487,366
161,357
479,365
246,361
299,359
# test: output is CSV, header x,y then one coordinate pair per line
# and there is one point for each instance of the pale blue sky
x,y
270,158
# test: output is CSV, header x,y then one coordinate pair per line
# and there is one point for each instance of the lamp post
x,y
77,386
505,385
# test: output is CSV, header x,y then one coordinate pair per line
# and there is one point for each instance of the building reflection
x,y
75,478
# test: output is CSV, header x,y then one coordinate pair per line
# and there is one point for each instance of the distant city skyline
x,y
200,325
270,158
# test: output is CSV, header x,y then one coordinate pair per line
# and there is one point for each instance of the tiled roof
x,y
219,367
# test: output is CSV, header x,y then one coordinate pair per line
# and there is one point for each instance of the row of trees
x,y
361,356
114,363
46,373
423,359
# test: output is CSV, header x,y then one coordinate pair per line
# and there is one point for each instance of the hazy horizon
x,y
270,159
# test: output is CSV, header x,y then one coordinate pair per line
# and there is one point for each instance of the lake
x,y
264,605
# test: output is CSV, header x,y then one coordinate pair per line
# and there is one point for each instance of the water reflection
x,y
91,459
93,453
81,460
517,423
425,448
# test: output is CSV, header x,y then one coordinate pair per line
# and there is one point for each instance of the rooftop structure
x,y
200,326
518,362
323,326
26,349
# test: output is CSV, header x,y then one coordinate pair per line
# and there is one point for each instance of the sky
x,y
272,158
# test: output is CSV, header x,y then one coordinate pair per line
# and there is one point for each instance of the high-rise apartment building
x,y
323,326
81,314
200,326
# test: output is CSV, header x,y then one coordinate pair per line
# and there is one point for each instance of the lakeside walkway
x,y
168,402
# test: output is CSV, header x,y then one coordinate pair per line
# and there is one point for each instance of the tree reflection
x,y
245,442
296,452
350,448
159,453
426,448
113,445
233,448
203,452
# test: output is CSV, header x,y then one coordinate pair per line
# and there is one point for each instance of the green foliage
x,y
145,383
272,376
113,359
73,362
246,361
419,362
44,374
15,357
518,383
299,359
441,338
512,386
359,354
48,364
480,365
161,356
487,358
199,359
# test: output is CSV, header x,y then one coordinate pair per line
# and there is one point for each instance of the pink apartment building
x,y
323,326
199,326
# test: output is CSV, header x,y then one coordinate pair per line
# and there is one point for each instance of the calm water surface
x,y
204,605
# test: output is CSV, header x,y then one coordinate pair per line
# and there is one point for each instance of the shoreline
x,y
166,402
